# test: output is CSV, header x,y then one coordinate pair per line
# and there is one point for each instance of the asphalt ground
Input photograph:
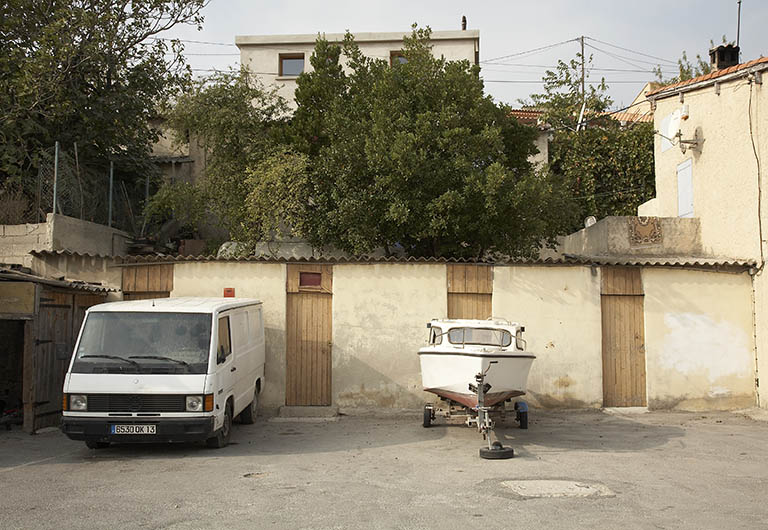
x,y
573,469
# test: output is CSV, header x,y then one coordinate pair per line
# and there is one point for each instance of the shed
x,y
39,322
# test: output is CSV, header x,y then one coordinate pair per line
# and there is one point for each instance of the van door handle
x,y
233,369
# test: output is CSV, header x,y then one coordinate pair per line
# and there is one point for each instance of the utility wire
x,y
195,41
632,51
622,57
527,52
541,81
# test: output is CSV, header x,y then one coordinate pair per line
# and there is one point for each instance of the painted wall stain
x,y
563,382
696,344
550,344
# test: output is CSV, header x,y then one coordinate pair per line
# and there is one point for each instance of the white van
x,y
165,370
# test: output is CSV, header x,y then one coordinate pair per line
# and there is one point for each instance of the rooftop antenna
x,y
738,27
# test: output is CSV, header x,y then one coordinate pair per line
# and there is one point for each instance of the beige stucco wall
x,y
260,53
380,312
699,339
724,168
560,309
264,281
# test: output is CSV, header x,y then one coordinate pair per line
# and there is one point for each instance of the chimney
x,y
724,56
463,23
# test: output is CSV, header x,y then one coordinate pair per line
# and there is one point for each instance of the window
x,y
397,57
684,190
310,279
291,64
435,335
224,348
482,336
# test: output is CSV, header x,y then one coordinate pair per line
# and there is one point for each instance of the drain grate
x,y
556,488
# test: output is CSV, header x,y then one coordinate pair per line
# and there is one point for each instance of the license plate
x,y
134,429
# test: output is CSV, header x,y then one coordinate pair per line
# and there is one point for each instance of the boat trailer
x,y
480,416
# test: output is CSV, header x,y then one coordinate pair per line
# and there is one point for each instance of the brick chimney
x,y
724,56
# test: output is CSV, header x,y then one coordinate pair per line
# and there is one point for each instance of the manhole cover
x,y
556,488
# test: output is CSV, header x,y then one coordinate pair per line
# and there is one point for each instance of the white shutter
x,y
685,189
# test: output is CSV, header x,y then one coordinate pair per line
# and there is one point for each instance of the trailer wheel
x,y
497,453
523,417
248,415
427,417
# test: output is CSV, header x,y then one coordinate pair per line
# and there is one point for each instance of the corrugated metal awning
x,y
20,276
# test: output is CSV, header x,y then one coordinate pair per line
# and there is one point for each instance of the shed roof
x,y
567,259
14,274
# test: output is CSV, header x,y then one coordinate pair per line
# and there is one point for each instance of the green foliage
x,y
182,201
562,98
686,69
86,71
411,155
239,124
609,170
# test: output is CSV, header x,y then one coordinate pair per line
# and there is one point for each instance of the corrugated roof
x,y
19,276
662,261
67,252
632,117
707,77
527,116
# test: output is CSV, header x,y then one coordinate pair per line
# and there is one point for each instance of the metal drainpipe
x,y
753,275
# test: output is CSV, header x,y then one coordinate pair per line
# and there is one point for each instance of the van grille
x,y
136,403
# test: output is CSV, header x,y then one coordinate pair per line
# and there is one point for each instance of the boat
x,y
459,350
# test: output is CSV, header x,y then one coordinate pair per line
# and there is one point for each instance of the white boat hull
x,y
449,373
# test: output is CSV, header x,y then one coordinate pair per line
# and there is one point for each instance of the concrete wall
x,y
93,269
16,241
380,314
724,168
611,237
700,349
698,328
560,309
84,237
260,53
265,281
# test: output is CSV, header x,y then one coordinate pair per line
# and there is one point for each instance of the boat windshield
x,y
142,342
480,336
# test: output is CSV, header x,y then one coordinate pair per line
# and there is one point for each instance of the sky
x,y
626,39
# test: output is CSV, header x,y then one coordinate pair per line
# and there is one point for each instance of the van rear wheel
x,y
221,439
249,413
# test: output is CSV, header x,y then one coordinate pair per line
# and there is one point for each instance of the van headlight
x,y
194,403
78,402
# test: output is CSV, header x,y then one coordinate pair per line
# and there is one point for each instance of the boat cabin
x,y
497,333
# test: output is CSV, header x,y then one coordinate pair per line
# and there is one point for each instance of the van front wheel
x,y
221,439
249,413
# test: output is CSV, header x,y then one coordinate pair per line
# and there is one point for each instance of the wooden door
x,y
308,329
144,282
623,338
52,354
470,291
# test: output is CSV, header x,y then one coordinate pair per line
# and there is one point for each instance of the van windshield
x,y
152,343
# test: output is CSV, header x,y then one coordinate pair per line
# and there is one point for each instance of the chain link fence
x,y
80,191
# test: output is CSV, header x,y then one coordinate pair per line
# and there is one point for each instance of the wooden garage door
x,y
308,329
470,289
623,338
144,282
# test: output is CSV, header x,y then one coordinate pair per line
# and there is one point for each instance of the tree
x,y
411,156
240,124
686,69
607,169
90,72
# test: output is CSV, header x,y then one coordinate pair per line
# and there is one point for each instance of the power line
x,y
527,52
623,58
593,69
633,51
540,81
209,43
